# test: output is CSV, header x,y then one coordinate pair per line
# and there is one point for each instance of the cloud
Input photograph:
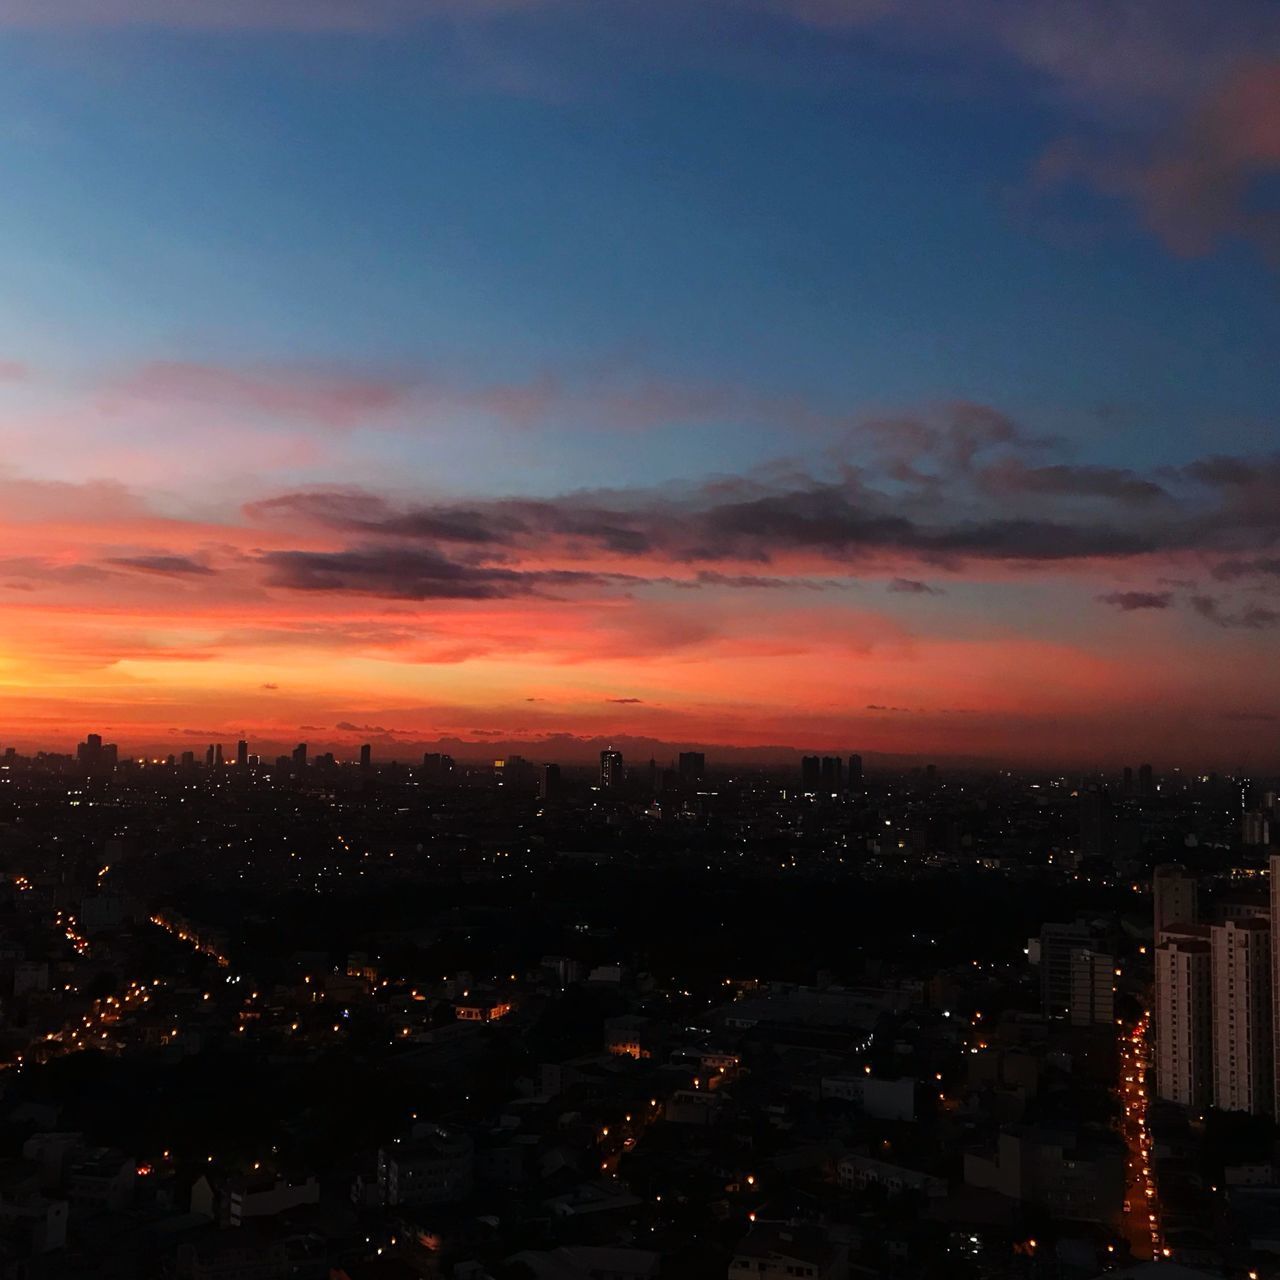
x,y
912,587
1258,567
626,702
1203,185
951,492
412,574
165,565
325,399
1062,480
1133,601
1249,618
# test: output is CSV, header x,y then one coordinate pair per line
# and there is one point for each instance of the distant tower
x,y
549,783
242,754
855,773
208,756
693,766
832,774
811,773
300,756
217,756
366,756
1094,808
610,769
1146,783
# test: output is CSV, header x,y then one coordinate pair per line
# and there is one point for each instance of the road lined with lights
x,y
1142,1204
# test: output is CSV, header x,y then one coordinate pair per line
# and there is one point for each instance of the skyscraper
x,y
693,766
811,773
549,782
832,774
1274,865
300,756
1093,987
1094,809
610,769
1146,782
1242,1020
366,756
1184,1021
242,754
437,768
1174,897
855,773
1058,944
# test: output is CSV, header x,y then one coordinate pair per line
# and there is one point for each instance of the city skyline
x,y
414,372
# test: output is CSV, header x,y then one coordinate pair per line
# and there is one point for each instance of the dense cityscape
x,y
355,1019
638,640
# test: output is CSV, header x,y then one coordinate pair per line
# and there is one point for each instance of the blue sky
x,y
615,279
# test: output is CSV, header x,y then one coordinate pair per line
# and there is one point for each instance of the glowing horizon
x,y
405,371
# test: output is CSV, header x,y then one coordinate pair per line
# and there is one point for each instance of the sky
x,y
879,375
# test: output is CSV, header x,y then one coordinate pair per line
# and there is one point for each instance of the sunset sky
x,y
827,374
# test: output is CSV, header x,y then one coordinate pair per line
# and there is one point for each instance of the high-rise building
x,y
832,774
1174,897
208,756
366,756
549,782
610,769
1058,943
1126,783
242,754
1184,1021
811,773
1274,866
1146,782
95,756
437,768
1255,828
300,756
1243,1051
1093,987
217,756
1094,811
855,773
693,766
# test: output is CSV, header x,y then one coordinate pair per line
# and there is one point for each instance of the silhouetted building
x,y
96,756
1173,896
610,769
300,756
693,766
549,782
855,773
366,756
1094,808
242,754
832,774
1146,782
437,768
811,773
